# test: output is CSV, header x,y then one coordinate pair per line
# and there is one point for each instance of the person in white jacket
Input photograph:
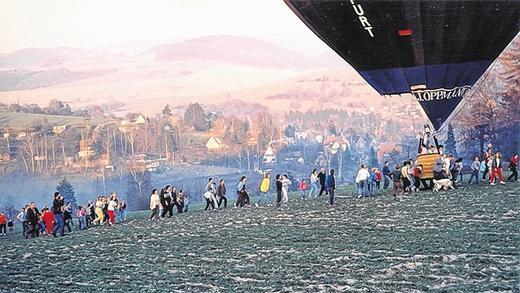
x,y
362,180
285,188
314,183
155,202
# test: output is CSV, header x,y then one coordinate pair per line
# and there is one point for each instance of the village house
x,y
215,143
59,129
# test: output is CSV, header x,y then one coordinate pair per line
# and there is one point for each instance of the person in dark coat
x,y
386,175
221,193
279,186
331,186
57,209
32,221
166,201
322,177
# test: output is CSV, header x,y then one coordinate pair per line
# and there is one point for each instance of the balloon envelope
x,y
435,50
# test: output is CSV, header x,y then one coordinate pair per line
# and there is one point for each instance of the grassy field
x,y
10,120
460,241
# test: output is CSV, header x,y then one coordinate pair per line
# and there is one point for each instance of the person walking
x,y
183,202
264,190
180,203
396,179
122,210
285,188
488,157
438,168
166,201
57,209
417,173
99,211
112,206
174,197
322,177
67,216
372,182
496,169
513,164
279,187
80,214
88,214
32,221
475,169
303,187
404,176
22,218
91,206
331,187
386,175
459,166
242,196
362,181
48,220
209,194
3,224
155,202
314,183
221,193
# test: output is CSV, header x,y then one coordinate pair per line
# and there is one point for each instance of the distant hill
x,y
223,66
42,57
242,50
25,79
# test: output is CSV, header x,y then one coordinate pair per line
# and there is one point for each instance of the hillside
x,y
233,49
42,57
464,241
22,121
175,73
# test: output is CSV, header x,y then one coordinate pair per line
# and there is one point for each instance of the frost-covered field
x,y
461,241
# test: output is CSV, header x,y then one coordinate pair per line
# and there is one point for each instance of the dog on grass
x,y
442,184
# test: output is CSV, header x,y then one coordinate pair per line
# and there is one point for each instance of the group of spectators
x,y
163,202
216,195
406,179
59,217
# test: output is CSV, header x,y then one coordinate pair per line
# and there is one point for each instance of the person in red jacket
x,y
379,177
303,186
3,224
48,219
496,169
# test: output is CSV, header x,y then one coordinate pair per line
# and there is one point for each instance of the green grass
x,y
459,241
11,120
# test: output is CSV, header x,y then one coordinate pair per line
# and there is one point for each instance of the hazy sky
x,y
101,23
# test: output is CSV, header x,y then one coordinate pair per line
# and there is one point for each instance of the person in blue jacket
x,y
330,185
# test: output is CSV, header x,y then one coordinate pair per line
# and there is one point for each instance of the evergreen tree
x,y
167,112
67,191
196,117
450,145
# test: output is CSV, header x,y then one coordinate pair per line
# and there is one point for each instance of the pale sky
x,y
102,23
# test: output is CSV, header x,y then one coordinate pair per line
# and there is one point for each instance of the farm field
x,y
466,240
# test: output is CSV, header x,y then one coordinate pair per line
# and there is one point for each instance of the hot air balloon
x,y
434,50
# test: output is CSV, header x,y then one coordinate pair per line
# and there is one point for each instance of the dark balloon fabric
x,y
435,50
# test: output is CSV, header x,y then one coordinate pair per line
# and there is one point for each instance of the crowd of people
x,y
406,178
59,217
216,197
